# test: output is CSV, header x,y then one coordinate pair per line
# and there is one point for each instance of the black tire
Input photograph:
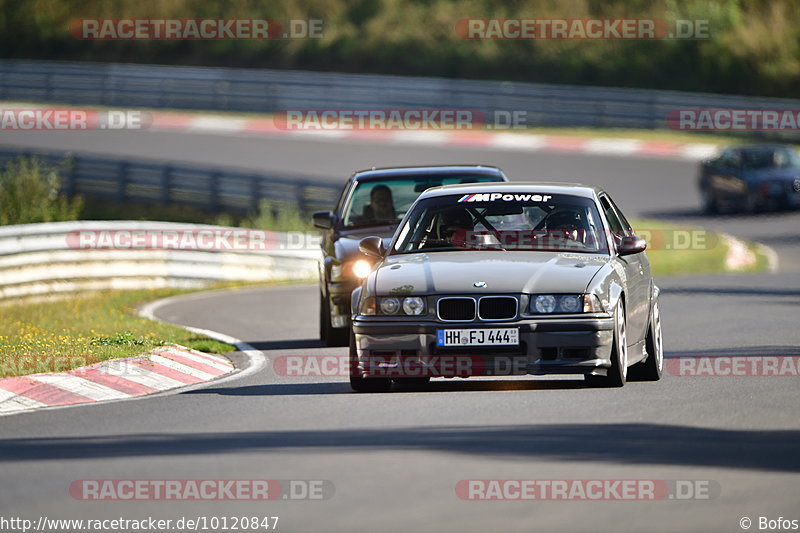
x,y
359,383
617,374
413,383
651,368
328,334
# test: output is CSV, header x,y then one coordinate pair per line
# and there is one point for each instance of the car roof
x,y
390,172
538,187
760,146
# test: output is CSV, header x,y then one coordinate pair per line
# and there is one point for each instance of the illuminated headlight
x,y
565,303
413,305
361,268
410,305
390,306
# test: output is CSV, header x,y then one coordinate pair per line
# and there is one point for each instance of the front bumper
x,y
546,346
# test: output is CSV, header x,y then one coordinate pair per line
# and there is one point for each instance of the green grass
x,y
670,254
64,334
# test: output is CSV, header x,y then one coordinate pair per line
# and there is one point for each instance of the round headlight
x,y
545,303
361,268
390,306
413,305
571,304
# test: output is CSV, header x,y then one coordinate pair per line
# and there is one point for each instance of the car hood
x,y
502,272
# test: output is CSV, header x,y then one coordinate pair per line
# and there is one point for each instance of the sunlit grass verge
x,y
675,249
60,335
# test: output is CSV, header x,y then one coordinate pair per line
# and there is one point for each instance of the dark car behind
x,y
343,266
751,179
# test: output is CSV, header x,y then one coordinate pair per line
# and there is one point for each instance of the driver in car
x,y
454,227
381,206
566,228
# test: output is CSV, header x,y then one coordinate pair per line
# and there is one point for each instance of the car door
x,y
725,179
637,273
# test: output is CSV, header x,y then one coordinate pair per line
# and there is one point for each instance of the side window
x,y
611,215
624,221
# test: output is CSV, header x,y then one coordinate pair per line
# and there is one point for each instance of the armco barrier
x,y
152,182
268,91
39,260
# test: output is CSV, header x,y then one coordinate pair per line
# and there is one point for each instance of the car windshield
x,y
379,202
760,158
503,221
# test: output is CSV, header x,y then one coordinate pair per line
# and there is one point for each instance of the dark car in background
x,y
751,179
372,203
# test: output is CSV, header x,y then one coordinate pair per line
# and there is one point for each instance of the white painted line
x,y
612,146
698,152
206,123
19,403
81,386
514,141
169,363
327,134
420,137
5,395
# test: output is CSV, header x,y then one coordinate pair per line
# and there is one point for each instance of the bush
x,y
29,193
278,217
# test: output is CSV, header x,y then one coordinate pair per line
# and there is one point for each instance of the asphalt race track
x,y
395,459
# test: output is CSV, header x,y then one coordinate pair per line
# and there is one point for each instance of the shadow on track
x,y
452,385
292,344
739,351
632,443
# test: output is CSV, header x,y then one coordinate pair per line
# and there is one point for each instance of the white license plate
x,y
478,337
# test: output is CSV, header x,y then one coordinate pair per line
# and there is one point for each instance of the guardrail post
x,y
213,191
70,182
166,184
301,199
255,193
122,180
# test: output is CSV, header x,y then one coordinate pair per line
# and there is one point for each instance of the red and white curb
x,y
522,142
159,370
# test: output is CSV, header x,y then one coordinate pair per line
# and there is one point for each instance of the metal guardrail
x,y
40,260
177,184
256,90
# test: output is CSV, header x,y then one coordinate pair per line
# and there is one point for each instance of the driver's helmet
x,y
453,220
568,223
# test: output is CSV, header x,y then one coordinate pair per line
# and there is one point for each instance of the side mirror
x,y
323,219
372,246
631,244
